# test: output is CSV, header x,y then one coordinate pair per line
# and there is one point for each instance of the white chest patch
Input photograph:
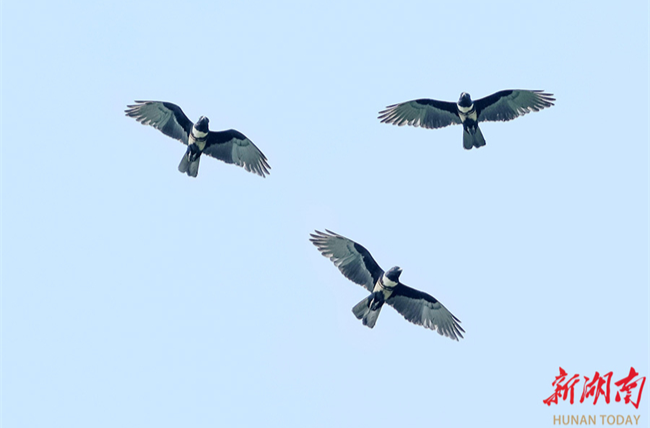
x,y
198,138
198,134
464,109
464,116
198,143
385,285
388,283
385,288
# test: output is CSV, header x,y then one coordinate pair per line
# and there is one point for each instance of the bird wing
x,y
233,147
424,112
510,104
423,309
166,117
352,259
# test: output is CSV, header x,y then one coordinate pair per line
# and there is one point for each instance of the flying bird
x,y
230,146
499,107
357,265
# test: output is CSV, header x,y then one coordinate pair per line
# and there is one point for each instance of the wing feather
x,y
425,310
168,118
233,147
425,113
352,259
510,104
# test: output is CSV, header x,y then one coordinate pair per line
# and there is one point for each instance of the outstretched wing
x,y
233,147
352,259
423,309
166,117
510,104
424,112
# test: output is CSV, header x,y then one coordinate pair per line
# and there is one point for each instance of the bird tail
x,y
473,137
188,166
365,312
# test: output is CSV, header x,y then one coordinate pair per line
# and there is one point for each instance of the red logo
x,y
598,386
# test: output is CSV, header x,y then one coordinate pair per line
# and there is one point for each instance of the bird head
x,y
465,100
394,273
202,124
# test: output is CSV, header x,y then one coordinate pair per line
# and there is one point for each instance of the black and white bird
x,y
499,107
356,264
230,146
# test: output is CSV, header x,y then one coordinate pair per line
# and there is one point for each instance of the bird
x,y
230,146
501,106
357,265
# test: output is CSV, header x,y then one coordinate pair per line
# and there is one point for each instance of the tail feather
x,y
363,312
184,166
189,167
194,168
473,137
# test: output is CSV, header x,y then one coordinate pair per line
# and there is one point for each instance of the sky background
x,y
133,295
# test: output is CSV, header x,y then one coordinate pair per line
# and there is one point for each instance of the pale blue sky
x,y
135,296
